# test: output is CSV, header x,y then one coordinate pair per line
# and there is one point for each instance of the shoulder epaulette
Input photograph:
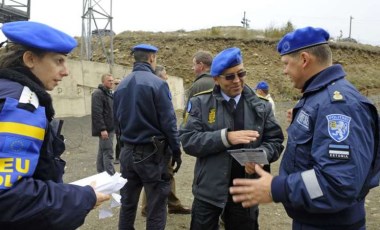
x,y
29,97
335,94
261,97
203,92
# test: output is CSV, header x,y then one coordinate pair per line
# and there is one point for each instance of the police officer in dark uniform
x,y
32,195
148,128
332,139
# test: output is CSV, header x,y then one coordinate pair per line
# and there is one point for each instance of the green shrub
x,y
277,33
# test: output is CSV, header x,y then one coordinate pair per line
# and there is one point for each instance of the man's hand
x,y
176,160
289,115
242,136
104,134
251,192
250,167
100,197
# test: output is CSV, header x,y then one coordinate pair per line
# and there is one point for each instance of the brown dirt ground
x,y
81,154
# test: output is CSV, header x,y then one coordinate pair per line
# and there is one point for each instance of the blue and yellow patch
x,y
21,136
338,126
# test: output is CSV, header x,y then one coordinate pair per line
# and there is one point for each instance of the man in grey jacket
x,y
230,116
103,123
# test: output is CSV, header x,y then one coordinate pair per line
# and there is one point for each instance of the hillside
x,y
361,62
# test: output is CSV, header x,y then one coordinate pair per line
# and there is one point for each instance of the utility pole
x,y
97,22
11,10
245,22
349,34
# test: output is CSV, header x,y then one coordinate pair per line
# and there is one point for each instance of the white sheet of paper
x,y
105,183
257,155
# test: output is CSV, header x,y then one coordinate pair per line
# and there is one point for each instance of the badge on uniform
x,y
303,119
338,126
339,152
211,116
189,107
337,96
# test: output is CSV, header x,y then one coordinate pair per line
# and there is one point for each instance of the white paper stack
x,y
107,184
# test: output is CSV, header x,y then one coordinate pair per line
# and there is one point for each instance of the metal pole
x,y
349,35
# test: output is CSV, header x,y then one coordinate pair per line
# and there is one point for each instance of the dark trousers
x,y
104,160
173,200
118,147
205,216
143,169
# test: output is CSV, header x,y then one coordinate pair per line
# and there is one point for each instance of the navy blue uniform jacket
x,y
143,108
329,153
38,199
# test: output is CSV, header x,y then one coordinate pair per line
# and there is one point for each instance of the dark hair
x,y
141,56
12,55
203,56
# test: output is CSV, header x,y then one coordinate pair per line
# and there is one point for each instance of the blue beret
x,y
262,85
226,59
39,36
145,47
301,39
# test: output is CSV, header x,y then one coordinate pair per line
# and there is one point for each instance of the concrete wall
x,y
72,97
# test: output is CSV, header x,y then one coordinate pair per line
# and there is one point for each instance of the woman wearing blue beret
x,y
32,193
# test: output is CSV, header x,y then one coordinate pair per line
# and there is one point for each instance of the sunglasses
x,y
231,76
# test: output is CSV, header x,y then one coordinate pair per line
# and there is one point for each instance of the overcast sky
x,y
172,15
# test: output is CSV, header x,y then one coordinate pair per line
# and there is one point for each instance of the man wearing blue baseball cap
x,y
331,159
229,116
148,129
32,192
262,90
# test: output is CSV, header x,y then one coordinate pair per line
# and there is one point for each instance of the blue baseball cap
x,y
262,85
301,39
39,36
145,47
226,59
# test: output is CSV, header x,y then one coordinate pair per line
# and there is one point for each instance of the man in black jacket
x,y
103,123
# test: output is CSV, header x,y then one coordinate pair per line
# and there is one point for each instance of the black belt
x,y
147,148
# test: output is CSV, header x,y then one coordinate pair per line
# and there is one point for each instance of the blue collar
x,y
325,77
